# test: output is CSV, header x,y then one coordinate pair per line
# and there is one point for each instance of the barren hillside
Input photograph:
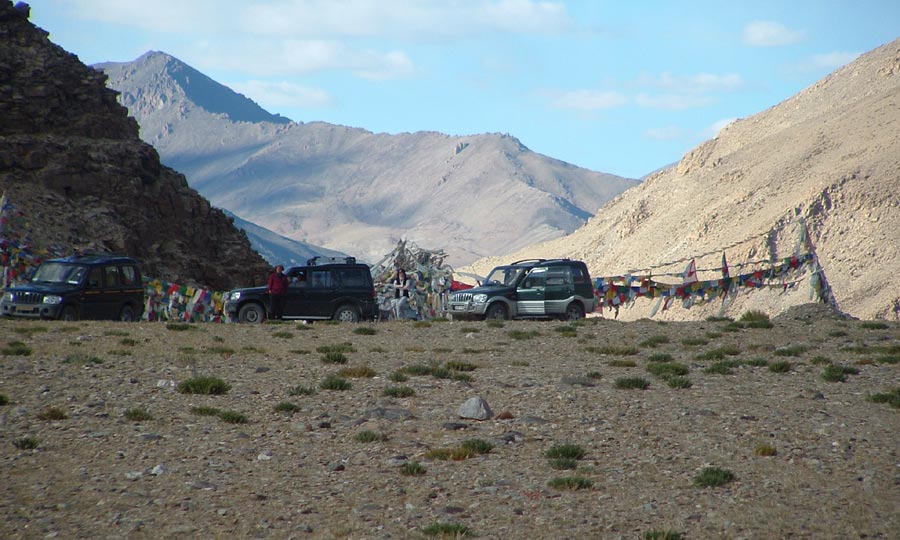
x,y
347,188
828,157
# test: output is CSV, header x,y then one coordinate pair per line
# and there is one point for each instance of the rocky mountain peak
x,y
165,80
78,177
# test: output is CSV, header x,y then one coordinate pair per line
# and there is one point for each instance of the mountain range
x,y
277,249
349,189
826,161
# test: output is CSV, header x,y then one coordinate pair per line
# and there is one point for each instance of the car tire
x,y
69,313
574,312
127,314
496,311
346,313
251,313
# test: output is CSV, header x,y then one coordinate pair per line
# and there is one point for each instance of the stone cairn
x,y
429,277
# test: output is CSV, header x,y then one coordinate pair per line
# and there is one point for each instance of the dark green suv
x,y
326,288
533,288
79,287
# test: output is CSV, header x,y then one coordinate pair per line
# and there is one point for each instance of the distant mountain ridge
x,y
277,249
197,87
827,158
349,189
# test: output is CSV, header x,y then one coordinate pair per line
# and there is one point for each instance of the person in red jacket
x,y
278,287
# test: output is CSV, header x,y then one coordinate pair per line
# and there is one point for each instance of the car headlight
x,y
7,297
52,299
479,298
234,295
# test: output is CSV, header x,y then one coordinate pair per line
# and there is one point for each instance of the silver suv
x,y
532,288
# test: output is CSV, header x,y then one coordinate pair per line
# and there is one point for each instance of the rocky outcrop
x,y
72,164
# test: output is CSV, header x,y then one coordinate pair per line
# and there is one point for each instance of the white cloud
x,y
305,56
832,60
380,67
165,16
716,127
329,19
694,84
588,100
820,63
284,94
416,19
770,34
672,102
304,36
667,133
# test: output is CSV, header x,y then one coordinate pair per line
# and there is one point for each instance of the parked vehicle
x,y
79,287
533,288
326,288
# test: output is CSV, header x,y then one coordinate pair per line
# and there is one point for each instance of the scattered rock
x,y
475,408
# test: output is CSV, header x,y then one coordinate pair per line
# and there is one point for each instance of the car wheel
x,y
574,312
496,311
69,313
127,314
346,313
251,313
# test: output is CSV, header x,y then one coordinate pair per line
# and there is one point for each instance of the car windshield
x,y
503,275
51,272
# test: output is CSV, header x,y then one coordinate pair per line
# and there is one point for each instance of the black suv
x,y
533,288
79,287
326,288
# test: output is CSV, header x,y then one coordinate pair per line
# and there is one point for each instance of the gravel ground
x,y
96,473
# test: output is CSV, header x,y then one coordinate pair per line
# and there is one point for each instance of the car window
x,y
352,277
297,278
53,272
321,279
558,276
578,275
95,278
129,276
111,276
536,278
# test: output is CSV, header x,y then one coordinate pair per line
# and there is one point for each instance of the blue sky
x,y
613,86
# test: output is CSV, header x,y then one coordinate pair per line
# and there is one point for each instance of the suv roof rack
x,y
319,260
92,256
541,261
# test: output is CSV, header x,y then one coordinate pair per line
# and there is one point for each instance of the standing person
x,y
278,287
401,293
401,284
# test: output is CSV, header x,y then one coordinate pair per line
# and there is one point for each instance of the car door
x,y
113,293
530,293
320,293
93,301
296,303
559,290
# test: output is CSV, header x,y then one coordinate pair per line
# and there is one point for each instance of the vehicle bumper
x,y
32,311
466,309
